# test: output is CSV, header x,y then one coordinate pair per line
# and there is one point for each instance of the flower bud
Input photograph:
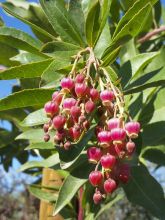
x,y
104,137
74,133
110,185
107,97
118,135
59,136
132,129
89,106
108,161
97,197
95,178
130,146
59,122
124,173
51,109
79,78
67,145
46,137
75,112
94,154
68,104
113,123
80,89
46,127
67,84
94,94
57,97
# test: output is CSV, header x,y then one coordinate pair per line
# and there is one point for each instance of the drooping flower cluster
x,y
83,101
70,110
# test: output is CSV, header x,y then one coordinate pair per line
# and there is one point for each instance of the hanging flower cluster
x,y
87,97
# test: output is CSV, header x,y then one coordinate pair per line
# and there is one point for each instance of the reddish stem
x,y
80,211
151,34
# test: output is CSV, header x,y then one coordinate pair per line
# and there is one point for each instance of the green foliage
x,y
64,32
148,191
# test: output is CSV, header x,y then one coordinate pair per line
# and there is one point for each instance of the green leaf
x,y
6,53
153,110
52,73
111,57
130,30
1,22
61,21
60,49
133,68
112,74
155,154
96,20
24,98
41,146
103,41
77,15
153,79
14,115
35,118
109,205
19,39
128,51
75,151
30,70
10,8
49,162
34,135
131,12
144,190
42,195
26,57
71,185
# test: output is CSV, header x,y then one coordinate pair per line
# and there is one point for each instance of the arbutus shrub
x,y
97,69
79,103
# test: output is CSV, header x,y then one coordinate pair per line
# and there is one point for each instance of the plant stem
x,y
80,211
151,34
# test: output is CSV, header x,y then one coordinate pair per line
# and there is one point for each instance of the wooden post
x,y
50,178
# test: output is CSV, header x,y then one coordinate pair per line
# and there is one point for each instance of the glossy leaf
x,y
42,195
130,30
34,135
155,154
9,8
139,190
30,70
77,15
71,185
133,68
96,20
60,49
51,73
111,57
19,39
35,118
61,21
131,12
109,204
41,146
49,162
6,53
103,41
26,57
29,97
